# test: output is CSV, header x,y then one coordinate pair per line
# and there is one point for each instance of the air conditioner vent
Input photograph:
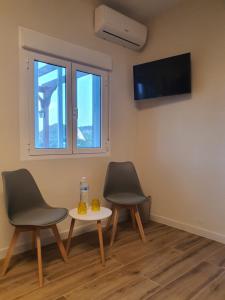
x,y
118,28
121,38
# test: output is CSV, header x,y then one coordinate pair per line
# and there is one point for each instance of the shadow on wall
x,y
156,102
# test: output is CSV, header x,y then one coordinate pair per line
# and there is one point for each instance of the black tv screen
x,y
164,77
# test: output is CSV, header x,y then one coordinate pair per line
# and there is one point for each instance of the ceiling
x,y
141,10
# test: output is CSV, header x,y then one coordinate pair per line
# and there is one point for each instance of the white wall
x,y
178,143
70,20
181,140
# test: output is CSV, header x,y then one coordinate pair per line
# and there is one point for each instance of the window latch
x,y
75,113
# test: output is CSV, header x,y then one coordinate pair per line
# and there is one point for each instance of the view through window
x,y
49,105
69,107
89,110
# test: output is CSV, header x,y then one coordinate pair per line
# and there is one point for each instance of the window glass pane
x,y
89,110
49,106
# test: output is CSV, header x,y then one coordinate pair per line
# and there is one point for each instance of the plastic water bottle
x,y
84,189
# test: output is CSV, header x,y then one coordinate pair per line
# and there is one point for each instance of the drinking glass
x,y
82,208
95,204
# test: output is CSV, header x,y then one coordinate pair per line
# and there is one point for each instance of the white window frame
x,y
27,114
58,62
104,108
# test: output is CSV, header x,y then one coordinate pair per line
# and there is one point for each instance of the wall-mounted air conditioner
x,y
118,28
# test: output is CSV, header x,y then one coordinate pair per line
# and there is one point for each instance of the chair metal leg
x,y
59,243
70,236
39,257
115,222
139,223
10,251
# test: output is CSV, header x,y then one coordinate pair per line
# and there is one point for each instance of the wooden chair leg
x,y
132,214
10,251
109,221
59,243
139,223
115,222
39,256
100,237
33,240
70,236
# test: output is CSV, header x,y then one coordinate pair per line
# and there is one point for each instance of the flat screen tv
x,y
164,77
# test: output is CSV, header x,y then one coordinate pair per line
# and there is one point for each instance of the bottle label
x,y
84,188
84,195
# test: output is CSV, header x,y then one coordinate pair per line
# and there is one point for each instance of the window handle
x,y
75,113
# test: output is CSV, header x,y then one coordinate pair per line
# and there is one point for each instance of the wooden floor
x,y
173,264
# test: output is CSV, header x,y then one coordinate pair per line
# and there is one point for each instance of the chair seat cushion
x,y
39,216
126,198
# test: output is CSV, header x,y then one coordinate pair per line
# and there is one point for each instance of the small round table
x,y
102,214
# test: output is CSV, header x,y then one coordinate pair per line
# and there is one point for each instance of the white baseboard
x,y
189,228
48,238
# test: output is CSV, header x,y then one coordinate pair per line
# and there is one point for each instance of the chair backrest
x,y
121,177
21,192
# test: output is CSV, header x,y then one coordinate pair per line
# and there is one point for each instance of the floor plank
x,y
67,281
171,269
155,242
172,265
213,290
116,285
189,284
218,258
188,242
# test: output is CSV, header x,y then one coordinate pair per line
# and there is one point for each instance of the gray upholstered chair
x,y
28,211
122,188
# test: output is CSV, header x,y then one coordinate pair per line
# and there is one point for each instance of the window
x,y
89,117
68,107
89,92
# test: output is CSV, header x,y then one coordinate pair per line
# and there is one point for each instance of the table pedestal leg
x,y
100,237
70,236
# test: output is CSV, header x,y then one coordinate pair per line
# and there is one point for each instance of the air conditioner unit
x,y
118,28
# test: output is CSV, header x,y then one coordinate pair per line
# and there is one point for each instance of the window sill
x,y
64,156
